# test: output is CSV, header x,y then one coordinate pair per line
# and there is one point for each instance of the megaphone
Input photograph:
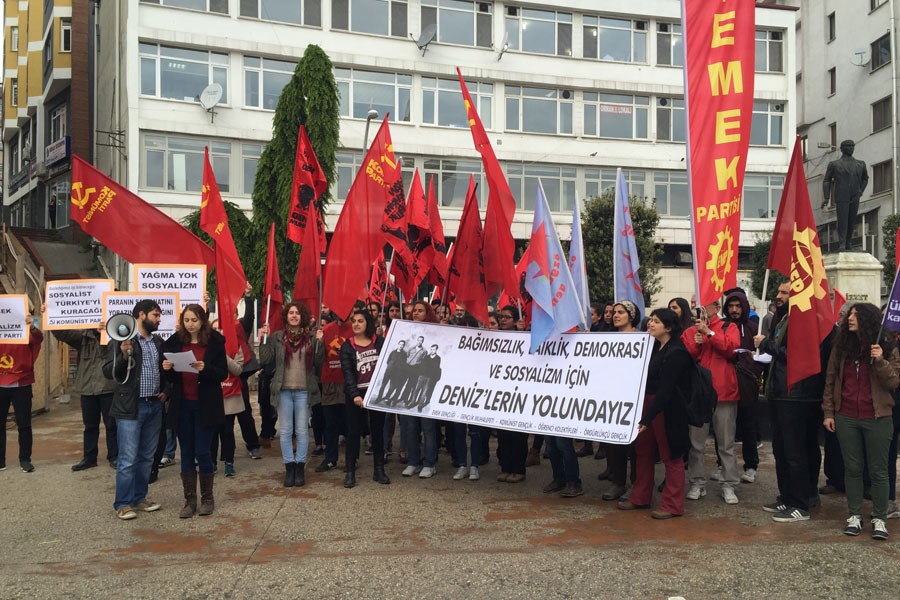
x,y
121,327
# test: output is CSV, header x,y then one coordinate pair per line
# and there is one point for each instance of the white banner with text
x,y
123,302
13,312
188,280
75,303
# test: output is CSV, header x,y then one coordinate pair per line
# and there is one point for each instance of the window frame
x,y
771,115
14,38
773,186
521,16
882,177
309,13
832,81
261,71
522,178
353,82
884,108
769,42
672,108
668,180
594,102
595,22
432,11
604,178
14,91
830,28
222,3
877,50
397,13
523,99
677,33
158,57
65,36
216,157
56,117
479,90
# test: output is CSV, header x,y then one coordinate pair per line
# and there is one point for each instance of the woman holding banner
x,y
663,427
425,465
512,446
858,404
196,408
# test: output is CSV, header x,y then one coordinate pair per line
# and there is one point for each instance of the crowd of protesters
x,y
318,374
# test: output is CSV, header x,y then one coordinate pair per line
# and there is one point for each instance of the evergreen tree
x,y
759,257
889,243
597,230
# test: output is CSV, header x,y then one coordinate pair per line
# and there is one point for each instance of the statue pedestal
x,y
857,275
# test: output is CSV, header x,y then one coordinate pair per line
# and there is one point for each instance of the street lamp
x,y
372,114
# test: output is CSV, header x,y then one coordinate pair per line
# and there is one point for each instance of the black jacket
x,y
348,366
126,395
669,380
215,371
809,389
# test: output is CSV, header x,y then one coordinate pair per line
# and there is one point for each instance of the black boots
x,y
299,474
207,503
289,471
189,482
379,475
350,477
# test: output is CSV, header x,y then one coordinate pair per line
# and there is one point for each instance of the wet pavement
x,y
435,538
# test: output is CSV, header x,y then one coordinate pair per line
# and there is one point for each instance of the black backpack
x,y
701,401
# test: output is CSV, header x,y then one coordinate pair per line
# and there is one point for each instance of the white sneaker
x,y
696,492
427,472
409,471
473,474
748,476
461,473
717,474
893,512
729,495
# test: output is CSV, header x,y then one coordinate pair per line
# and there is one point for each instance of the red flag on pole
x,y
378,283
466,279
437,274
795,252
309,268
129,226
358,236
499,245
309,183
718,83
272,288
230,278
839,302
418,235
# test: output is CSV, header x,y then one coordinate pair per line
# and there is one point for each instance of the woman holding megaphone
x,y
196,408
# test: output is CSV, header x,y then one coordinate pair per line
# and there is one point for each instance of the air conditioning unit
x,y
41,171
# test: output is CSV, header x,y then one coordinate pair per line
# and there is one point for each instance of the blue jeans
x,y
293,414
171,439
137,444
459,439
195,439
428,428
563,460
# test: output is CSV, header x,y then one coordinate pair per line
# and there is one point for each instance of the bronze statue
x,y
849,178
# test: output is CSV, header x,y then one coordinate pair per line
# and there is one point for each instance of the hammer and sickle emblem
x,y
81,196
6,362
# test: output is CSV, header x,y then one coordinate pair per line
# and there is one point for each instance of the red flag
x,y
499,245
437,275
839,302
418,236
466,279
309,183
230,278
358,236
378,283
796,253
718,73
129,226
309,268
272,288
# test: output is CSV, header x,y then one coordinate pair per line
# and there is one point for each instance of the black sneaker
x,y
325,466
554,486
318,451
26,465
854,525
879,529
2,466
775,507
791,515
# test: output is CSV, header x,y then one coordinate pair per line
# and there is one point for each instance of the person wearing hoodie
x,y
712,343
737,310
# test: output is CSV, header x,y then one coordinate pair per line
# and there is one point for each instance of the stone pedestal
x,y
857,275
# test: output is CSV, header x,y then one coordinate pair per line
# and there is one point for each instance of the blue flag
x,y
626,283
577,266
555,307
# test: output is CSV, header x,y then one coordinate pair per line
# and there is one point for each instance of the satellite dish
x,y
860,57
504,46
210,96
425,38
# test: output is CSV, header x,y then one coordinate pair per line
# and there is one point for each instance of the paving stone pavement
x,y
435,538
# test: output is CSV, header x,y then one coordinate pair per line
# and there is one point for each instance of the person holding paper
x,y
197,408
16,377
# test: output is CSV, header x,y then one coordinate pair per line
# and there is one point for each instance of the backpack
x,y
701,402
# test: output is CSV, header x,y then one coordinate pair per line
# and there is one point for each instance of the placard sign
x,y
587,386
13,310
188,280
75,303
123,302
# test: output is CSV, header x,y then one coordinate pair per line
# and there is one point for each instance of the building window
x,y
670,120
882,177
215,6
14,39
830,28
451,180
621,40
769,51
768,123
57,123
459,21
58,204
264,78
670,190
762,193
48,50
250,154
348,164
669,44
881,114
442,104
180,73
65,35
14,155
176,163
804,146
873,4
385,92
13,92
832,81
539,31
881,51
381,17
298,12
539,110
558,182
832,135
599,181
616,115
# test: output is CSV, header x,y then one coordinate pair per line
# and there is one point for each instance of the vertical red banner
x,y
718,81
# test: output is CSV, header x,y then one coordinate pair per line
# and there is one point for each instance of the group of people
x,y
320,373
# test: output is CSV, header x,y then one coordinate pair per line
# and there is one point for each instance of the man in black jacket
x,y
136,367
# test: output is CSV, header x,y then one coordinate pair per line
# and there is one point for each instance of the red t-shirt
x,y
190,382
